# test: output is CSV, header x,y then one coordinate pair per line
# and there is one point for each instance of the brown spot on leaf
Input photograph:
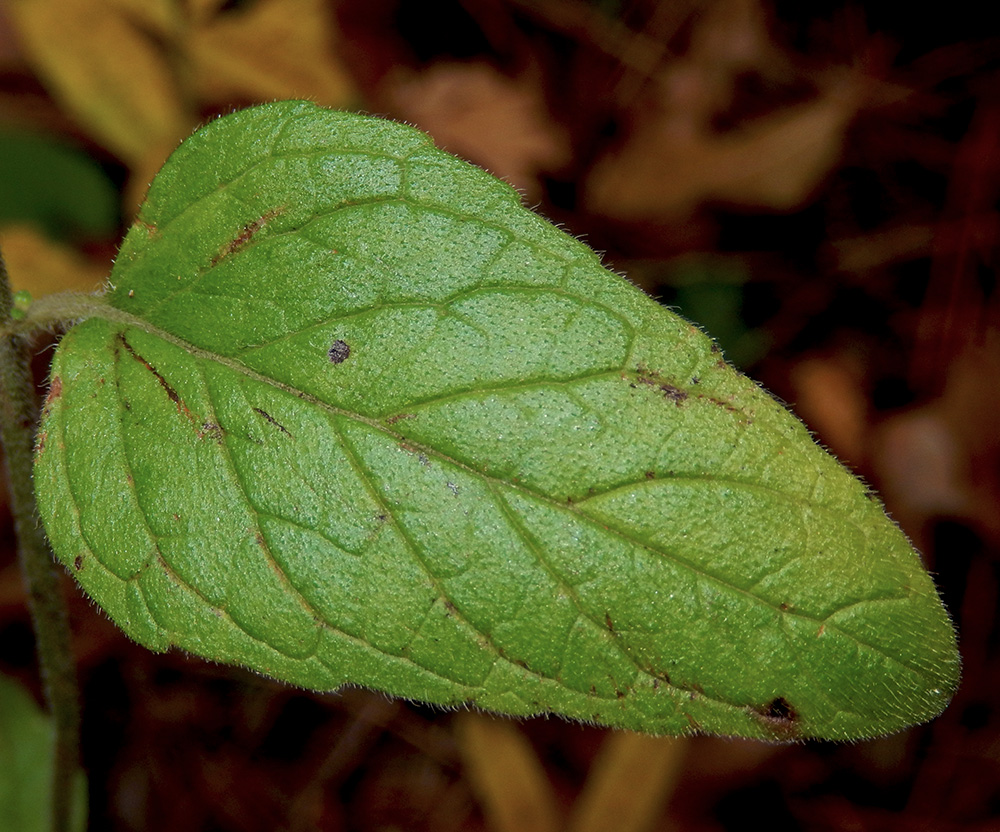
x,y
211,431
652,378
675,394
607,622
245,236
148,227
391,420
779,717
78,563
269,418
55,391
339,352
171,393
729,406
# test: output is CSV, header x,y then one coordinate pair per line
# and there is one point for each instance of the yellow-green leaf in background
x,y
273,49
26,743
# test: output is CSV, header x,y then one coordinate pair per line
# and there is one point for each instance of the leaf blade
x,y
442,452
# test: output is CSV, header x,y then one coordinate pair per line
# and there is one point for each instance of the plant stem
x,y
53,312
18,416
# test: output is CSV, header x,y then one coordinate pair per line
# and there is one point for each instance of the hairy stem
x,y
18,416
55,312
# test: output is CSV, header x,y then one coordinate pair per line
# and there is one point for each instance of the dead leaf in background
x,y
274,49
507,775
476,112
667,169
729,37
104,70
942,459
733,33
201,10
829,397
921,467
43,267
629,783
141,175
161,16
675,158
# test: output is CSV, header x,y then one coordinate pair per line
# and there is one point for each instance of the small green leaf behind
x,y
26,743
357,417
55,187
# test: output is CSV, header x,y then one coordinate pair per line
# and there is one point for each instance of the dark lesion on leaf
x,y
245,236
211,431
171,393
644,376
78,563
652,378
391,420
267,417
339,352
779,716
204,429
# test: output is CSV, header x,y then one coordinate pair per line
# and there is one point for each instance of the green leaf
x,y
26,747
55,186
357,417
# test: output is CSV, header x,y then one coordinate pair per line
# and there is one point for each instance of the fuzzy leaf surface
x,y
369,421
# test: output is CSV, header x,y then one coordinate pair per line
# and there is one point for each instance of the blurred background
x,y
816,184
